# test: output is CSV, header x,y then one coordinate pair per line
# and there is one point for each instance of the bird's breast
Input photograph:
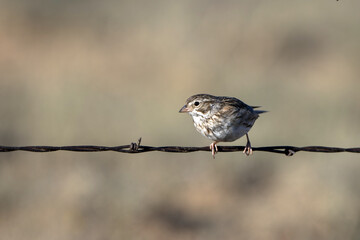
x,y
222,129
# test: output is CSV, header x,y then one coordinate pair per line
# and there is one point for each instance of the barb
x,y
137,148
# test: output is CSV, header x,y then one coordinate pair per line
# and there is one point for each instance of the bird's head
x,y
198,105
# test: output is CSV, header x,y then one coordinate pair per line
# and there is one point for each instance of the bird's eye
x,y
196,103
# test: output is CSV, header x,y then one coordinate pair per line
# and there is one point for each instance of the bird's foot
x,y
248,150
214,149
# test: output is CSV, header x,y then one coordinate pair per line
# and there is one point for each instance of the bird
x,y
221,119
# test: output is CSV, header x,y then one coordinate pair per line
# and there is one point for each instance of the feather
x,y
260,111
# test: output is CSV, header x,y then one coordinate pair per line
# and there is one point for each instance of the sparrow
x,y
221,119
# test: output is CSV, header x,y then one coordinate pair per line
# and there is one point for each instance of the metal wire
x,y
137,148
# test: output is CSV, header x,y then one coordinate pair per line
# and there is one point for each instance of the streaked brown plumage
x,y
221,119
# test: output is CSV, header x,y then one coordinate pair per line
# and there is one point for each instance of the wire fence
x,y
138,148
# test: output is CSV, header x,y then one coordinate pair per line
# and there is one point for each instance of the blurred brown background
x,y
109,72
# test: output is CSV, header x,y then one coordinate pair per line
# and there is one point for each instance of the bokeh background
x,y
109,72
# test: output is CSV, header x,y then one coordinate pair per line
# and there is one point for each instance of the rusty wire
x,y
137,148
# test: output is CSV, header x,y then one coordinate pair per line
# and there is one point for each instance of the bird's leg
x,y
213,149
247,149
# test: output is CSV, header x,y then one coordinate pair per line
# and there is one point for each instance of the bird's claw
x,y
248,150
214,149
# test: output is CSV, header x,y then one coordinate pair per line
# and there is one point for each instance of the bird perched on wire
x,y
221,119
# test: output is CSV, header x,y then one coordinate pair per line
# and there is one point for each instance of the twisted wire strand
x,y
137,148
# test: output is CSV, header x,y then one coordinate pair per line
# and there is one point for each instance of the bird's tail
x,y
258,111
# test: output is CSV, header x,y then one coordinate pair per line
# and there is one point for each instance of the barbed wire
x,y
137,148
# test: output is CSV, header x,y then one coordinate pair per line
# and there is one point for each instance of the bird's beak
x,y
184,109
